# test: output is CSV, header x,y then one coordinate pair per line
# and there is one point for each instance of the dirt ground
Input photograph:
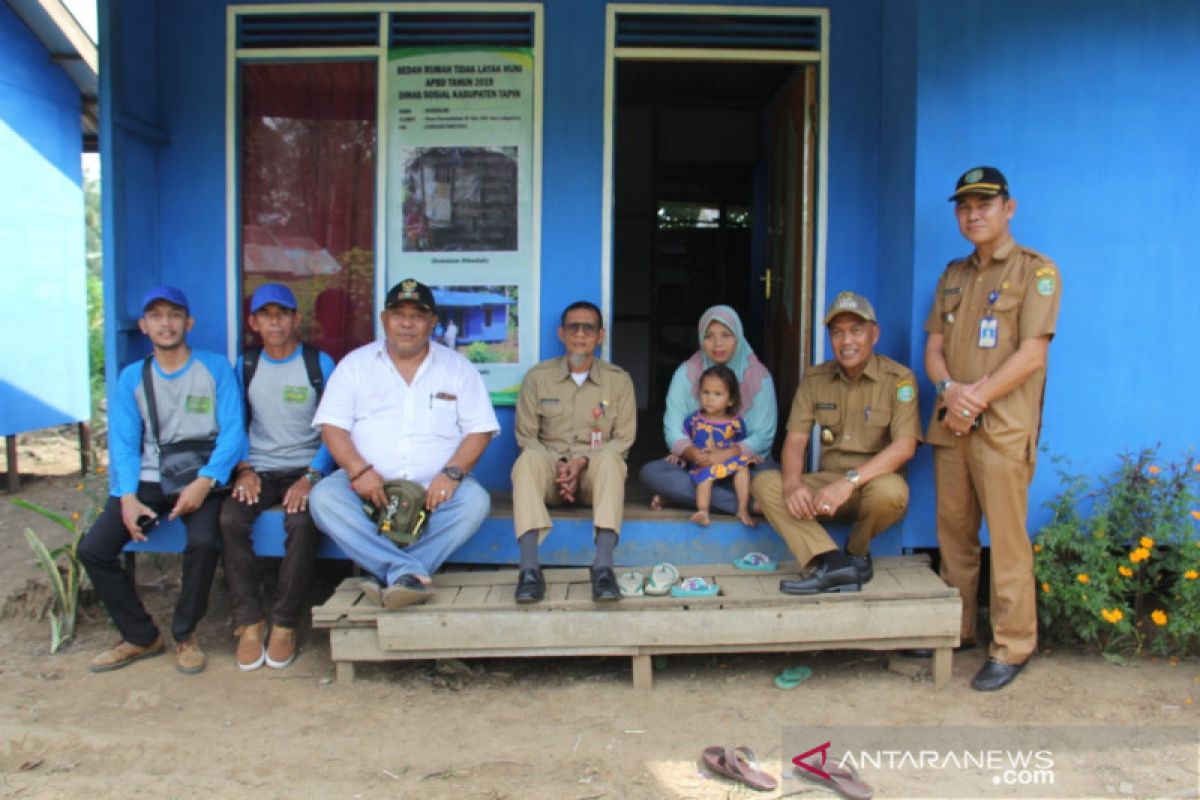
x,y
541,728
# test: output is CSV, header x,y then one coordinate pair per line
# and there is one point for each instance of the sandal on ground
x,y
738,763
695,587
842,779
756,562
661,579
630,584
792,677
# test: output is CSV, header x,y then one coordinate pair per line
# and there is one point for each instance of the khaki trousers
x,y
871,509
973,480
601,486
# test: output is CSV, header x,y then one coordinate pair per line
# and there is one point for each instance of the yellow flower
x,y
1196,513
1159,616
1082,578
1140,554
1153,470
1191,575
1146,542
1125,571
79,488
1112,616
1045,588
75,516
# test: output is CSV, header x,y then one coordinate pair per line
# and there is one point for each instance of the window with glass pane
x,y
308,194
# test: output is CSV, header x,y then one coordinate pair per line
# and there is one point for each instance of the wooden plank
x,y
643,673
814,622
917,580
557,593
344,671
472,596
942,664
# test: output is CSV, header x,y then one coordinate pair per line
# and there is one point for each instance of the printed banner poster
x,y
460,200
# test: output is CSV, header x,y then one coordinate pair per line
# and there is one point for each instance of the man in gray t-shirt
x,y
283,459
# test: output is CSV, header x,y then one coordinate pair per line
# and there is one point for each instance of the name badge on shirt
x,y
989,329
597,438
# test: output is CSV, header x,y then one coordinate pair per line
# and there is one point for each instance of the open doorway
x,y
714,198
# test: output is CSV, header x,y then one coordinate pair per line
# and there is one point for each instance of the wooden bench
x,y
473,615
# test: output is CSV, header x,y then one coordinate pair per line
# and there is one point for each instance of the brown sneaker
x,y
281,651
189,658
250,652
124,654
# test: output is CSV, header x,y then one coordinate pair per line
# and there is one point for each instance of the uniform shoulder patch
x,y
1045,280
906,390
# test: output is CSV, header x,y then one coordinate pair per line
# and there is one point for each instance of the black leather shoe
x,y
531,586
604,585
994,675
823,579
863,564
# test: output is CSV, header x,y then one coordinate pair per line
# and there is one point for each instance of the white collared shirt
x,y
407,430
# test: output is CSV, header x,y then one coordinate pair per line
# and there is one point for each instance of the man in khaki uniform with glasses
x,y
866,405
990,328
576,420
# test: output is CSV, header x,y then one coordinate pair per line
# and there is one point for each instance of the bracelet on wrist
x,y
361,472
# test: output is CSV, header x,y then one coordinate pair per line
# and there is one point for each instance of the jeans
x,y
674,484
100,553
338,511
299,554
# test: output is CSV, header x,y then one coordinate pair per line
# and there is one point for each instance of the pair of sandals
x,y
664,580
741,764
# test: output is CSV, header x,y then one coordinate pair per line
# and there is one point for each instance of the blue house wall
x,y
43,282
1086,106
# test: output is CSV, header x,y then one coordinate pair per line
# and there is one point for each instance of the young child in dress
x,y
717,430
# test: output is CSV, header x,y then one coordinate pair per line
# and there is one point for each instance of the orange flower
x,y
1140,554
1082,578
1191,575
1146,542
1125,571
1196,467
1153,470
1037,548
1159,616
1112,616
1045,588
1196,513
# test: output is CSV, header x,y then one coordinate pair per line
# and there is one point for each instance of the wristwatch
x,y
313,475
943,385
854,477
453,473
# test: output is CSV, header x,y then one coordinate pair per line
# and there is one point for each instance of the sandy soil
x,y
543,728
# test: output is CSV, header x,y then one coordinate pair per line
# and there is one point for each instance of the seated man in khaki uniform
x,y
866,405
576,420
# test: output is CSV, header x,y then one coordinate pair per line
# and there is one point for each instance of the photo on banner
x,y
460,184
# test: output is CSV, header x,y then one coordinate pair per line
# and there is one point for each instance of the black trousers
x,y
295,571
100,553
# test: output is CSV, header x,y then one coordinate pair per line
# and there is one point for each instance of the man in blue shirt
x,y
284,459
195,398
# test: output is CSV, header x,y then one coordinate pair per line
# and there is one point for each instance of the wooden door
x,y
791,215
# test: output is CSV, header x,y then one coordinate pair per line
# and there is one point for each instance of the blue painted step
x,y
647,537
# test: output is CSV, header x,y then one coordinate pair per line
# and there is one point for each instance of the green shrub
x,y
1118,566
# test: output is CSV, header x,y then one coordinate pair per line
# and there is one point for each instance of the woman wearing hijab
x,y
722,341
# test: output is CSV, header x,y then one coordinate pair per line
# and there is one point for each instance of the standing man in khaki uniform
x,y
866,405
989,336
576,420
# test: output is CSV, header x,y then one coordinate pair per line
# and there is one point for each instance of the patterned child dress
x,y
706,433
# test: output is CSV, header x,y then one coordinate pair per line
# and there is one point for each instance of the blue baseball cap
x,y
168,293
275,293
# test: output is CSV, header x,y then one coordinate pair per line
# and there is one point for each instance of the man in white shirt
x,y
403,407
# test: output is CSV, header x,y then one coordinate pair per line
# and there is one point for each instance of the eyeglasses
x,y
580,327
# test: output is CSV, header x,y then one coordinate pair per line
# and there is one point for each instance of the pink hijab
x,y
749,370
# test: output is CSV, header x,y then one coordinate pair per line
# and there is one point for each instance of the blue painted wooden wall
x,y
43,273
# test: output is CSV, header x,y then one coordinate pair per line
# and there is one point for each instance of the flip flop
x,y
738,763
630,584
756,562
695,587
843,780
792,677
662,578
